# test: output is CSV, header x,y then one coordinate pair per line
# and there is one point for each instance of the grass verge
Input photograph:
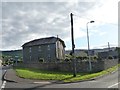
x,y
29,73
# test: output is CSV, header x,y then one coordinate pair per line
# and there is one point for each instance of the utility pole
x,y
73,46
108,46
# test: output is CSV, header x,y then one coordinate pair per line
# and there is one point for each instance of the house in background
x,y
50,49
107,54
77,52
101,53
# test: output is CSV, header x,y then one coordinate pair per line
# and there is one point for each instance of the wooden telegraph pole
x,y
73,46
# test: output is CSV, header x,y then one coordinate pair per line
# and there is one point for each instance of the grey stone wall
x,y
109,63
68,66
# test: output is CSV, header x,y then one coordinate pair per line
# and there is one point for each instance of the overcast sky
x,y
26,21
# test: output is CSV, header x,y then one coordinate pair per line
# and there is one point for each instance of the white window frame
x,y
30,58
48,46
30,49
39,48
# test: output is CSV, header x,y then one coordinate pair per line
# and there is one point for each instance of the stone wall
x,y
109,63
68,66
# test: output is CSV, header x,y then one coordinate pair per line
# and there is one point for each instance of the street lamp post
x,y
90,66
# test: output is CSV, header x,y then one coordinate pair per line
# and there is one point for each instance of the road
x,y
1,76
108,81
3,69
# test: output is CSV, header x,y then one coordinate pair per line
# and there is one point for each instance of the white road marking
x,y
3,85
4,82
42,82
113,85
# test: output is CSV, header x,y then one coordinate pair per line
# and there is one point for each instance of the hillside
x,y
12,53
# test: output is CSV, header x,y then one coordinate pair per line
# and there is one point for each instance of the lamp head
x,y
92,21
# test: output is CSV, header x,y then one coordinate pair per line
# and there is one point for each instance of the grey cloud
x,y
22,19
119,24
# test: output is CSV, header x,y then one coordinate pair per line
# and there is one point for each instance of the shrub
x,y
68,60
95,57
68,57
85,57
79,57
110,57
41,60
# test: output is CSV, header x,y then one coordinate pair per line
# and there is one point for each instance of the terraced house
x,y
50,49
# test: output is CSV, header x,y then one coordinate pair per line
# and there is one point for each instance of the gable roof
x,y
42,41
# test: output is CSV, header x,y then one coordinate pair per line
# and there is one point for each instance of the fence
x,y
68,66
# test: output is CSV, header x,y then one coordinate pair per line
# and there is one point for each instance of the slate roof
x,y
42,41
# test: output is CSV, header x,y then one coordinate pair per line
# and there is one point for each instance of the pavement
x,y
11,76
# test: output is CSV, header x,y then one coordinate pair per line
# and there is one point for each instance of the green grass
x,y
60,76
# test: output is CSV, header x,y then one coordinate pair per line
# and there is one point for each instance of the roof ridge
x,y
41,41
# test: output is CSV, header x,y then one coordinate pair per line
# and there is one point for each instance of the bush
x,y
41,60
110,57
85,57
20,61
79,57
95,57
68,60
68,57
